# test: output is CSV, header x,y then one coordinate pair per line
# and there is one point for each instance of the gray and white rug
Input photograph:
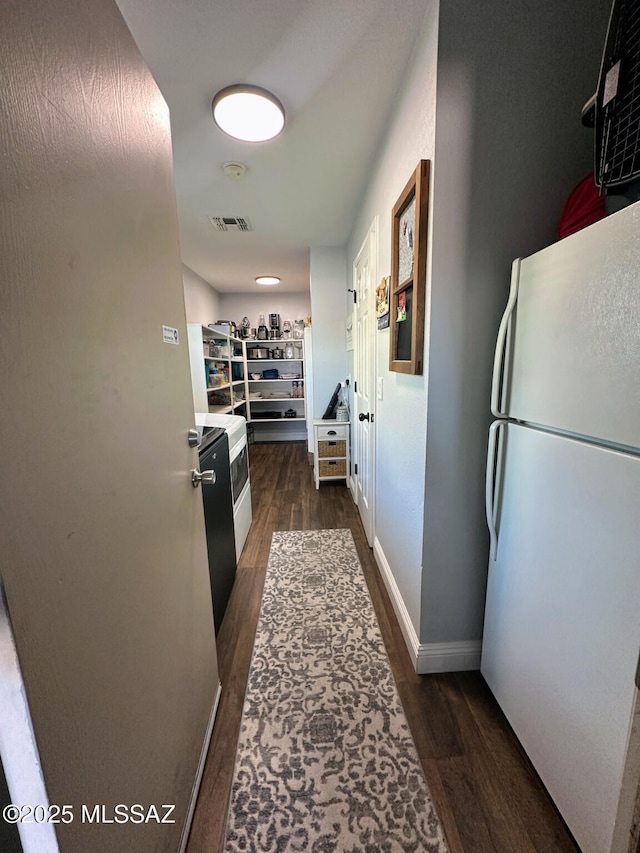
x,y
326,762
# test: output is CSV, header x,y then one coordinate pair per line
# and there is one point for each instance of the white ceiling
x,y
334,64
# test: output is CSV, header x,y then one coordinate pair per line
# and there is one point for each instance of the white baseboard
x,y
406,625
448,657
426,657
196,784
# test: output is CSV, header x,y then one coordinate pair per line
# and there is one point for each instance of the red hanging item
x,y
584,206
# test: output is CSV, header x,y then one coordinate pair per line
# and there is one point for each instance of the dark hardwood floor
x,y
488,796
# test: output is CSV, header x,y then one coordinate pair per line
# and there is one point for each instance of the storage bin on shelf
x,y
332,467
327,449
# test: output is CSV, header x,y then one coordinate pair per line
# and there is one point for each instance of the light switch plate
x,y
379,387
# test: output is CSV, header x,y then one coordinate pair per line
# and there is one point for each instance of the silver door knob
x,y
198,477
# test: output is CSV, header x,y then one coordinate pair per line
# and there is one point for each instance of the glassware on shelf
x,y
298,329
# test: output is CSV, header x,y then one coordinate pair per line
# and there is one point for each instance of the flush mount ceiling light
x,y
248,113
267,279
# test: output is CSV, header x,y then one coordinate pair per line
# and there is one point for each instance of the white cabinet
x,y
275,387
217,370
331,450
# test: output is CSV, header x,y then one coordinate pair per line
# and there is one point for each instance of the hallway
x,y
486,793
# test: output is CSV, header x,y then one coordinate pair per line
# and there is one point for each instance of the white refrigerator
x,y
562,621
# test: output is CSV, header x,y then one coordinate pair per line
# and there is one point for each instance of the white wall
x,y
290,306
401,414
509,149
201,301
328,274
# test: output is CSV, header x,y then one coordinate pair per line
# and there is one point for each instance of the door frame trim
x,y
186,829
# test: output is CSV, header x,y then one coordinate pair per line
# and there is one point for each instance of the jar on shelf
x,y
342,412
289,351
298,329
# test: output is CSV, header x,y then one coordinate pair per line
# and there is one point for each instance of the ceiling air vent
x,y
231,223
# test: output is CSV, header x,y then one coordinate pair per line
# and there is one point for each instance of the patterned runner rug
x,y
325,761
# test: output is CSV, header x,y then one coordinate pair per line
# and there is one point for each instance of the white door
x,y
562,621
364,273
102,542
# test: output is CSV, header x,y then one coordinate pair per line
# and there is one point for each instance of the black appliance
x,y
218,518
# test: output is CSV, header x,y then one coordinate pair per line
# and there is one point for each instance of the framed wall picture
x,y
382,302
409,224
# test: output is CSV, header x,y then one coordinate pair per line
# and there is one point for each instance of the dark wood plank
x,y
488,796
521,786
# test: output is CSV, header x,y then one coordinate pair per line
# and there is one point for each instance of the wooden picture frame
x,y
409,224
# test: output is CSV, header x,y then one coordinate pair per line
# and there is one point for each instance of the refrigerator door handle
x,y
492,479
501,353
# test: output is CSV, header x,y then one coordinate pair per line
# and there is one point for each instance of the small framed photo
x,y
382,303
410,219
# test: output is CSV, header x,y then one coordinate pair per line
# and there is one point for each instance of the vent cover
x,y
231,223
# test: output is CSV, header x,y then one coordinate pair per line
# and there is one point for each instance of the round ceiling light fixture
x,y
248,113
267,279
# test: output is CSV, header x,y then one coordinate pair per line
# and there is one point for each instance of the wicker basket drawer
x,y
333,468
328,449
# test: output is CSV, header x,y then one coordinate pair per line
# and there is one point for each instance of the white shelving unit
x,y
217,370
227,378
281,399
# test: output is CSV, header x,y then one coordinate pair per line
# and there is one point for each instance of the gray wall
x,y
201,301
512,79
290,306
401,417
